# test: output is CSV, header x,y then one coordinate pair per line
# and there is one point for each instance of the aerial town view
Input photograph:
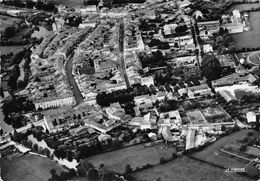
x,y
130,90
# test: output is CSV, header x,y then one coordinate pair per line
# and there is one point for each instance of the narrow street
x,y
76,92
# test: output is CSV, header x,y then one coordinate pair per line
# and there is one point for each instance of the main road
x,y
75,89
121,51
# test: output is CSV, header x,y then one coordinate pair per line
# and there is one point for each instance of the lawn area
x,y
186,169
28,168
249,39
211,154
136,156
69,3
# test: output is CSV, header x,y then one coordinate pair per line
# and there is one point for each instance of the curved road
x,y
76,92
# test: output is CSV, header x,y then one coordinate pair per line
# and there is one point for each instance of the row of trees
x,y
155,59
211,67
40,5
109,3
159,44
17,105
122,96
86,169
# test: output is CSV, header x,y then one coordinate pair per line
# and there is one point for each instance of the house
x,y
190,139
210,26
182,41
227,95
166,133
199,90
87,24
90,9
234,78
207,48
114,111
104,127
251,117
115,87
184,61
104,66
169,29
195,117
147,81
234,28
51,101
140,122
143,99
171,119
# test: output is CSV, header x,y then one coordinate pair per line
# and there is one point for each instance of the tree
x,y
243,148
116,144
162,160
35,147
39,5
84,166
47,152
211,67
179,30
29,4
93,174
2,92
10,31
128,169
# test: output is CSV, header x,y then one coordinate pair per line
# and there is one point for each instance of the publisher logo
x,y
235,170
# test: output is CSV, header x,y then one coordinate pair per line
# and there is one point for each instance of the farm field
x,y
186,169
212,154
28,168
136,156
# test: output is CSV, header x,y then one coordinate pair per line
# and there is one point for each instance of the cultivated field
x,y
136,156
186,169
28,168
211,154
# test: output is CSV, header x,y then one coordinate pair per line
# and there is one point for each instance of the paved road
x,y
121,50
199,46
76,92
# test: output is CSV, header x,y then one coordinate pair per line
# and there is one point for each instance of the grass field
x,y
136,156
28,168
249,39
212,154
243,7
186,169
